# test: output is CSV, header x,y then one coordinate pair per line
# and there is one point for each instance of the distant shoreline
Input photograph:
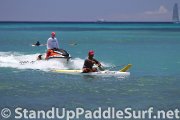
x,y
86,22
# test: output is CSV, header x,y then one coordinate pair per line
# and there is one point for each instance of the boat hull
x,y
99,73
59,59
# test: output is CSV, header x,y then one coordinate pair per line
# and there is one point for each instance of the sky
x,y
87,10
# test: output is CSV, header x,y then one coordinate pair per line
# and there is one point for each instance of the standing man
x,y
89,62
52,44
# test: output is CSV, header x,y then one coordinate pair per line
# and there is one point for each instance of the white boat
x,y
100,21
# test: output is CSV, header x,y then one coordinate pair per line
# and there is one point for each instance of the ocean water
x,y
152,48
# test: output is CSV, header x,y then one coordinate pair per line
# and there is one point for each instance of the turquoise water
x,y
152,48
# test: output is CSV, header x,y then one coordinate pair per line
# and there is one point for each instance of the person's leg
x,y
48,53
94,70
86,70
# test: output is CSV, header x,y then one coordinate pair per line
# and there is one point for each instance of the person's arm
x,y
97,62
99,65
48,54
48,44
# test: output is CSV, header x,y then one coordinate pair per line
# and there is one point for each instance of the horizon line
x,y
86,21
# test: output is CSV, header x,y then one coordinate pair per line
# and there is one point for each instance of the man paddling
x,y
89,62
52,44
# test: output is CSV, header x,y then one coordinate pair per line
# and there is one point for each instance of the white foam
x,y
24,61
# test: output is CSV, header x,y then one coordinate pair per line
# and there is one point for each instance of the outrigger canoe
x,y
122,72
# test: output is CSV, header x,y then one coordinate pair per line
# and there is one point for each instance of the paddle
x,y
116,66
124,69
101,68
